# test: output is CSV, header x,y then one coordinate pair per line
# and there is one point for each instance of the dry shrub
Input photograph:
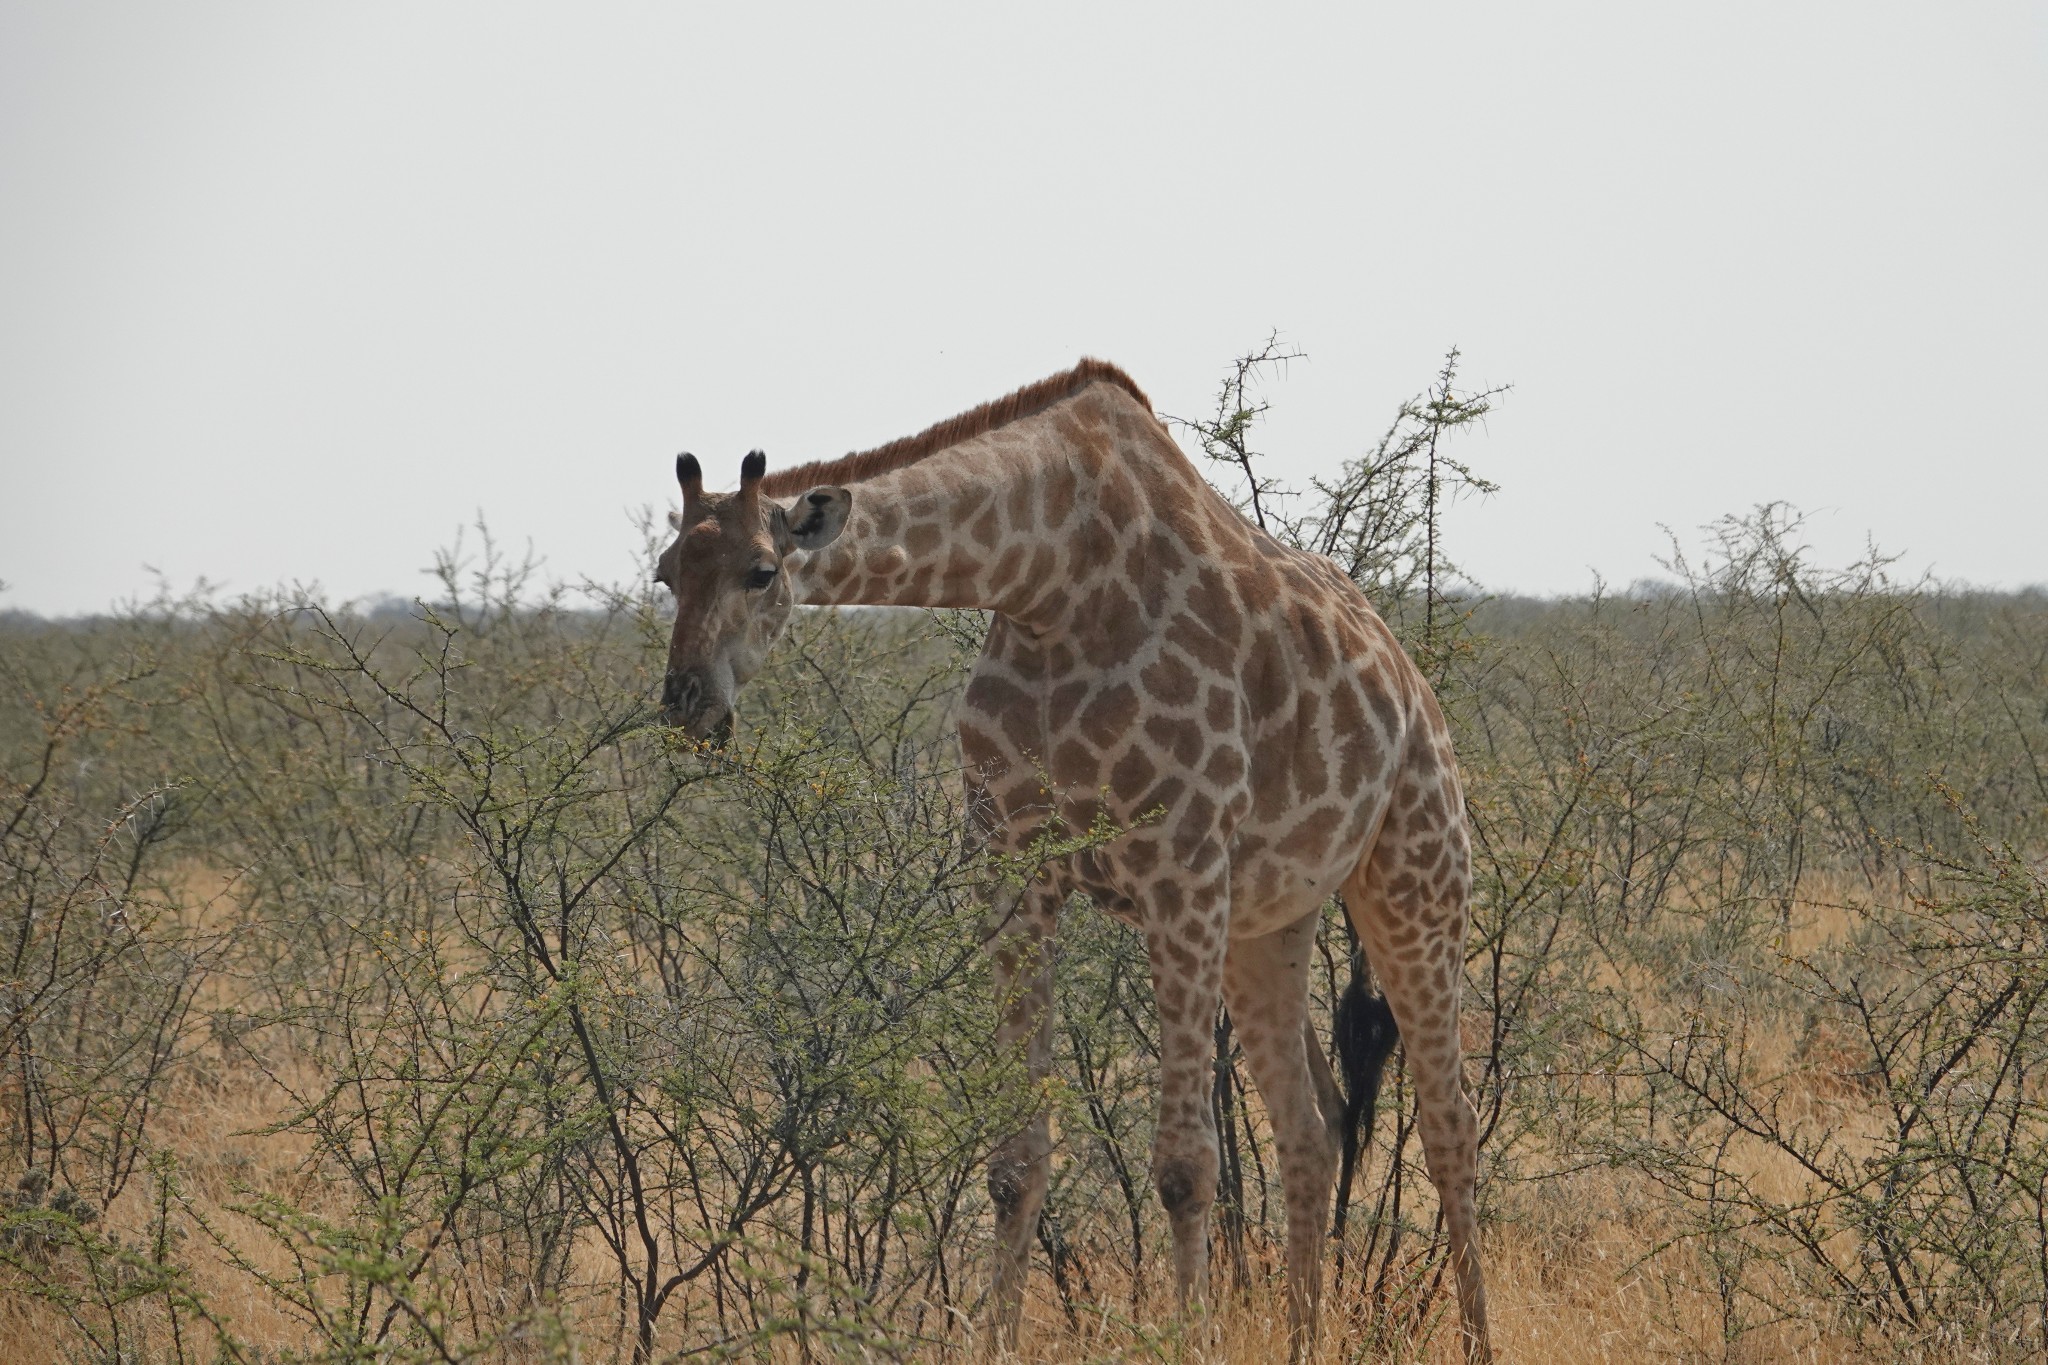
x,y
381,988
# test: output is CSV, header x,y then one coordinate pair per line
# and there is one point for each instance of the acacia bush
x,y
380,986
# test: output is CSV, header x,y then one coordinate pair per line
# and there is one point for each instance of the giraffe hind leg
x,y
1408,900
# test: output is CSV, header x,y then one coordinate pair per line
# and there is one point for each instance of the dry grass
x,y
1562,1292
1573,1277
1579,1270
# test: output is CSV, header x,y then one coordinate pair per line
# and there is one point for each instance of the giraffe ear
x,y
817,518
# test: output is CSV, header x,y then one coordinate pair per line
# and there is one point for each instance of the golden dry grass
x,y
1569,1279
1577,1271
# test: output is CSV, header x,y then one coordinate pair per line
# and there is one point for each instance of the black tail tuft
x,y
1365,1035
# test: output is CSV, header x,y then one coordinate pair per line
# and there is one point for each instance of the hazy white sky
x,y
288,291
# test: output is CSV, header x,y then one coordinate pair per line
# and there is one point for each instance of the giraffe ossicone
x,y
1149,651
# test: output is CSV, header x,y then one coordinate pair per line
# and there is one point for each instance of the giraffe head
x,y
726,569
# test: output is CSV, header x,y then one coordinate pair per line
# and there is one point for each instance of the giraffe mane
x,y
1011,407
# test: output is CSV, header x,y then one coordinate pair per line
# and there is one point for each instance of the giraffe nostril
x,y
685,696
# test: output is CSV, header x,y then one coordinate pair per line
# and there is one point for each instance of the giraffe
x,y
1235,705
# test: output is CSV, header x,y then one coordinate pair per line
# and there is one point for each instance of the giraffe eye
x,y
761,577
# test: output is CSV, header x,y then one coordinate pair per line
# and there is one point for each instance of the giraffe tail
x,y
1365,1034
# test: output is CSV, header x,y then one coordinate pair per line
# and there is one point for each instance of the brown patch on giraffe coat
x,y
1167,898
1194,823
1017,506
1092,549
1208,647
1056,494
1160,552
1116,498
1180,738
1004,570
1021,653
1266,884
1131,773
1310,838
1358,751
993,695
1225,766
1066,697
973,738
1177,952
986,529
1170,682
1109,715
1270,783
1426,853
1399,932
1210,599
1221,712
1044,560
1311,765
1431,808
1073,764
1266,681
1315,648
1385,712
959,581
1165,795
973,496
1115,626
1050,603
1077,433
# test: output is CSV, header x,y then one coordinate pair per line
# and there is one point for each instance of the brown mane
x,y
1032,398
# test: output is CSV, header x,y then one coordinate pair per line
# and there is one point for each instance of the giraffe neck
x,y
990,526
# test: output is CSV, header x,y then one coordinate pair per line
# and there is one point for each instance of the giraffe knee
x,y
1018,1173
1451,1142
1015,1185
1463,1122
1185,1186
1006,1192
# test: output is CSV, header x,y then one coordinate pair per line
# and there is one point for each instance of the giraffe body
x,y
1235,705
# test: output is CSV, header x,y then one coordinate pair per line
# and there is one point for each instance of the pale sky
x,y
288,292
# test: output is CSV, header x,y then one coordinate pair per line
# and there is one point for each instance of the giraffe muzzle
x,y
690,703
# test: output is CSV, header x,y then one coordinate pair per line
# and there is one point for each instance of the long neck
x,y
988,524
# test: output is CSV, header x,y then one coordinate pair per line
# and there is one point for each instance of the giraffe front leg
x,y
1021,942
1266,984
1185,934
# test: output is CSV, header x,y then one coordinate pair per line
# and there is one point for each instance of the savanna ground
x,y
380,987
